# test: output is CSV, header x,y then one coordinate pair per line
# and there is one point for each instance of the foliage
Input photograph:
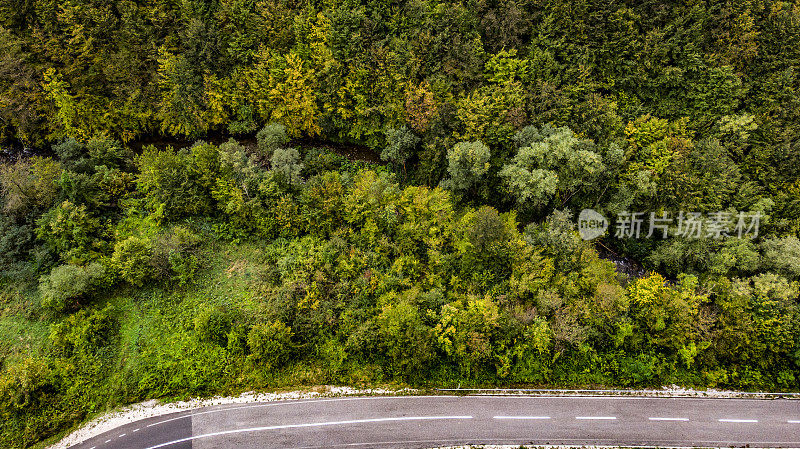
x,y
177,182
84,334
467,163
71,232
270,344
131,260
212,325
270,138
67,286
286,164
400,145
555,164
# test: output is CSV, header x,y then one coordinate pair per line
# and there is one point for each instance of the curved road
x,y
430,421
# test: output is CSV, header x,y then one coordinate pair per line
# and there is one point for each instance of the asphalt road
x,y
430,421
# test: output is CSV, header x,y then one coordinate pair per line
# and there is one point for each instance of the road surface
x,y
431,421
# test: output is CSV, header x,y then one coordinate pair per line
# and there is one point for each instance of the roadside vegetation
x,y
209,269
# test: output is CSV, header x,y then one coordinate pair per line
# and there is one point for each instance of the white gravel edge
x,y
671,391
149,409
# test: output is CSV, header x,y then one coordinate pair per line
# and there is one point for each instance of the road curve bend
x,y
431,421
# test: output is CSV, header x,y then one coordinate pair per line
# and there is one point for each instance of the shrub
x,y
83,333
783,255
286,163
212,325
29,185
175,254
400,144
183,267
270,344
67,285
407,341
179,182
71,232
26,402
131,259
467,162
15,243
270,138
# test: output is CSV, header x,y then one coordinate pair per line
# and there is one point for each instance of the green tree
x,y
467,164
270,138
270,344
68,286
132,260
400,146
178,183
71,232
407,340
555,166
286,164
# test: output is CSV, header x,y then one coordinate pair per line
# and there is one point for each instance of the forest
x,y
177,219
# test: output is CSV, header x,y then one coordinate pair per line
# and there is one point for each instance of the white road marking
x,y
521,417
92,447
135,430
108,441
596,417
295,402
668,419
738,420
122,435
794,421
317,424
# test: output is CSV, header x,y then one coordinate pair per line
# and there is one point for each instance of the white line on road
x,y
794,421
122,435
318,424
135,430
596,417
521,417
108,441
738,420
293,402
668,419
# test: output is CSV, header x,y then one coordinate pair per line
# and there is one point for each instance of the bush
x,y
28,403
270,138
400,145
467,163
71,232
783,255
286,163
29,186
270,344
131,259
212,325
83,334
179,183
67,285
183,267
407,341
175,254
